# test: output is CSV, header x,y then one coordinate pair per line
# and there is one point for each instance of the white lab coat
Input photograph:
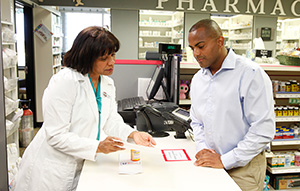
x,y
54,159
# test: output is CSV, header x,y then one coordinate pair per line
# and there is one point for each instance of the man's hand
x,y
142,138
208,158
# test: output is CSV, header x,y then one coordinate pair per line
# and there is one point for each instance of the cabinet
x,y
10,72
47,54
159,27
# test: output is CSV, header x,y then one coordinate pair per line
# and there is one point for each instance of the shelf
x,y
280,68
185,102
283,170
241,27
288,119
240,38
266,67
175,38
240,48
153,36
8,43
57,65
7,23
56,53
279,142
184,65
14,129
146,47
288,95
290,38
155,26
178,25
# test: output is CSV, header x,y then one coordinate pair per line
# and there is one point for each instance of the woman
x,y
78,102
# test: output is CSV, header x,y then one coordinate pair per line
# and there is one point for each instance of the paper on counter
x,y
175,155
127,166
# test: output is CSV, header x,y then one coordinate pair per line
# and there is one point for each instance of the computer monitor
x,y
157,81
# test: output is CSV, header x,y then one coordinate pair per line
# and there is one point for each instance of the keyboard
x,y
129,104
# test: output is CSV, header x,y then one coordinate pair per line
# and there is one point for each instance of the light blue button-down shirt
x,y
232,111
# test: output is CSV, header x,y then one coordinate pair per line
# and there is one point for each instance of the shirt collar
x,y
228,63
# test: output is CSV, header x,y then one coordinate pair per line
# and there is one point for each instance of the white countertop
x,y
157,173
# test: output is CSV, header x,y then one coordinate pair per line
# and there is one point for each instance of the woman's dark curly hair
x,y
90,44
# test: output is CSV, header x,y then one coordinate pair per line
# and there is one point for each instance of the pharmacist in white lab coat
x,y
78,106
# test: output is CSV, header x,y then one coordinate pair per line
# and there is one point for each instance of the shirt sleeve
x,y
258,107
198,128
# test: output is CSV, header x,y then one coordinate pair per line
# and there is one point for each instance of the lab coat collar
x,y
105,94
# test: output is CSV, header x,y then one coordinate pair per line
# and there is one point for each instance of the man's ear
x,y
221,41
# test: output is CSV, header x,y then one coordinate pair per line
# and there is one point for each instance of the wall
x,y
290,8
189,20
124,25
263,21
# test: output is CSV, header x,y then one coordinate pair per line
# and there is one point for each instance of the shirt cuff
x,y
200,146
94,151
228,160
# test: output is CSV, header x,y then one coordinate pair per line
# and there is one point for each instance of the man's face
x,y
205,48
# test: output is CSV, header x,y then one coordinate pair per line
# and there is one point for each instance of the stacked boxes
x,y
286,111
284,159
283,132
286,181
285,87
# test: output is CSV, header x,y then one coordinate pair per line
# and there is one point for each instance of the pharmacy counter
x,y
157,173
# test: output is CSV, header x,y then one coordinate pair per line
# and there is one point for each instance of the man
x,y
232,108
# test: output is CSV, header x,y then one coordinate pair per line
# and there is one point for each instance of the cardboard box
x,y
286,181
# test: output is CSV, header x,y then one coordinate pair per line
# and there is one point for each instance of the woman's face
x,y
104,65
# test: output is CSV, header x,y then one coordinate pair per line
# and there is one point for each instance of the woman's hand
x,y
109,145
142,138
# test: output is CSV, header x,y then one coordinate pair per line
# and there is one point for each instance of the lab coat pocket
x,y
57,176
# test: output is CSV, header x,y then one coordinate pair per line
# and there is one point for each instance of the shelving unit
x,y
159,27
224,24
10,71
282,99
240,33
288,33
187,70
47,54
237,31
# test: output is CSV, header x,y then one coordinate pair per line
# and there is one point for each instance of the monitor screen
x,y
155,83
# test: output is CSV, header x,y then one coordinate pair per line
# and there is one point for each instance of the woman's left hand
x,y
142,138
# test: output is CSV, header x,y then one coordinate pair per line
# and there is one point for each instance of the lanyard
x,y
98,100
